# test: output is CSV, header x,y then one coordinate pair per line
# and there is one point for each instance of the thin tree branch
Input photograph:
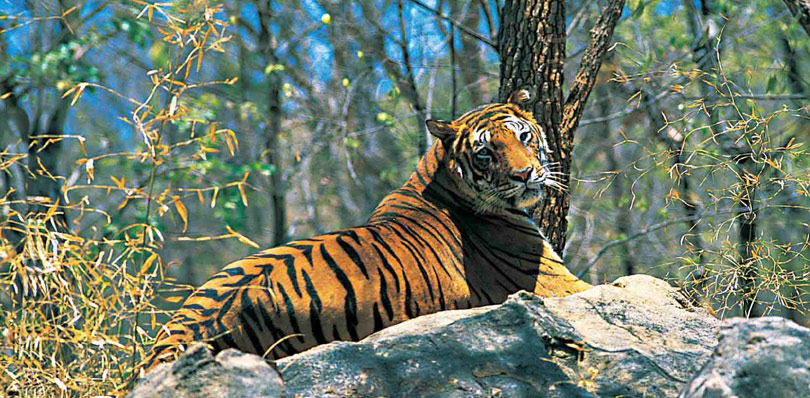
x,y
801,11
601,35
493,30
409,89
763,97
457,24
642,232
626,111
453,72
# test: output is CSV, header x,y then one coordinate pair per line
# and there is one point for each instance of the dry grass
x,y
75,305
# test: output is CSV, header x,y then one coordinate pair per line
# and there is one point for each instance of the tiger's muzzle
x,y
524,187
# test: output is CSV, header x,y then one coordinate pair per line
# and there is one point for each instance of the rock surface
x,y
198,374
762,357
635,338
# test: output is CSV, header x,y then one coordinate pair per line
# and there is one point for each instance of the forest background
x,y
143,145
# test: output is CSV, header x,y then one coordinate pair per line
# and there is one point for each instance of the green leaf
x,y
769,87
639,11
273,68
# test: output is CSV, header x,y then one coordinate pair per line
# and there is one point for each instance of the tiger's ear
x,y
519,96
442,130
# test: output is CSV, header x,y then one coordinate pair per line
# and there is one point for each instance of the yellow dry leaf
x,y
230,144
90,169
60,384
183,212
637,94
242,238
148,263
212,129
200,53
233,137
173,300
214,199
78,93
118,183
124,203
173,106
52,210
242,194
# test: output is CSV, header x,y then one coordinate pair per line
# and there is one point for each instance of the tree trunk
x,y
748,264
43,161
40,133
531,45
15,125
271,154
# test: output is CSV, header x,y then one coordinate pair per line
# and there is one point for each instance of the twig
x,y
601,35
624,112
764,97
453,71
662,224
644,231
457,24
801,11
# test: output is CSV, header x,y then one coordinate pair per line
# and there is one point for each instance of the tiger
x,y
456,235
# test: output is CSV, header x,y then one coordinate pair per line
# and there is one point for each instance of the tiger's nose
x,y
522,175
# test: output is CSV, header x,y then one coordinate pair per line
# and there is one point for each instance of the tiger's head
x,y
499,152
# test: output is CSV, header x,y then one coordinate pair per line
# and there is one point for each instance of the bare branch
x,y
626,111
601,35
642,232
801,11
409,88
762,97
493,30
457,24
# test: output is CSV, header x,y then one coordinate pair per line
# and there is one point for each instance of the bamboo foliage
x,y
77,301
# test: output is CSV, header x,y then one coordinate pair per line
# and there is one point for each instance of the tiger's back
x,y
426,248
342,285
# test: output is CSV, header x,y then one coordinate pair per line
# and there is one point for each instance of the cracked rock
x,y
762,357
198,374
635,338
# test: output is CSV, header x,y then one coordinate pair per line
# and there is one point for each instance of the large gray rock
x,y
198,374
762,357
634,338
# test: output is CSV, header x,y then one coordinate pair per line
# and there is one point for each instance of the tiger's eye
x,y
483,157
525,137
